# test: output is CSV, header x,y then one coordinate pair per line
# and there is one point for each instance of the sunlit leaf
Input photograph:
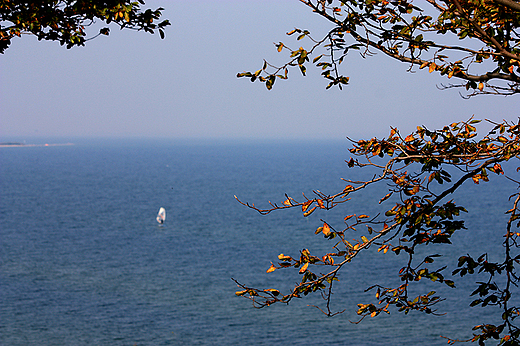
x,y
326,229
309,212
306,205
409,138
273,291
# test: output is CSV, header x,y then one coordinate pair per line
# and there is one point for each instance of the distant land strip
x,y
17,145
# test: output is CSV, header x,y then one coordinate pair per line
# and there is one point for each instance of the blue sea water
x,y
83,261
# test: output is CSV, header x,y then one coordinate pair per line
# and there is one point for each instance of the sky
x,y
135,85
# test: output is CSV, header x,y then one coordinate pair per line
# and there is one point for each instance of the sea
x,y
84,262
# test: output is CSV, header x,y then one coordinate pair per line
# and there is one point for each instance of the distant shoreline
x,y
18,145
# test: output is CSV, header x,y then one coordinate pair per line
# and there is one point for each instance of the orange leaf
x,y
309,212
432,67
304,268
320,203
326,229
498,168
386,197
306,205
271,269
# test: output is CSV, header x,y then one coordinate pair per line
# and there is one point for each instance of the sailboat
x,y
161,216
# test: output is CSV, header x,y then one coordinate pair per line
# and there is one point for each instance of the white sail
x,y
161,216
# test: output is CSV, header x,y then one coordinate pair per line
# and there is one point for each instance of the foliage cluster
x,y
477,43
416,171
65,20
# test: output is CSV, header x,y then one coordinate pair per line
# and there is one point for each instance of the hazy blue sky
x,y
132,84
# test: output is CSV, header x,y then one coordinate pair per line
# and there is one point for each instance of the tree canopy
x,y
66,21
419,171
475,41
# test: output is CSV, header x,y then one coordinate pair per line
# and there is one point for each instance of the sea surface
x,y
83,261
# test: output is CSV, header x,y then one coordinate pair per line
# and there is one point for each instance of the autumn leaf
x,y
326,229
309,212
273,291
498,169
304,268
306,205
271,269
409,138
386,197
283,257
